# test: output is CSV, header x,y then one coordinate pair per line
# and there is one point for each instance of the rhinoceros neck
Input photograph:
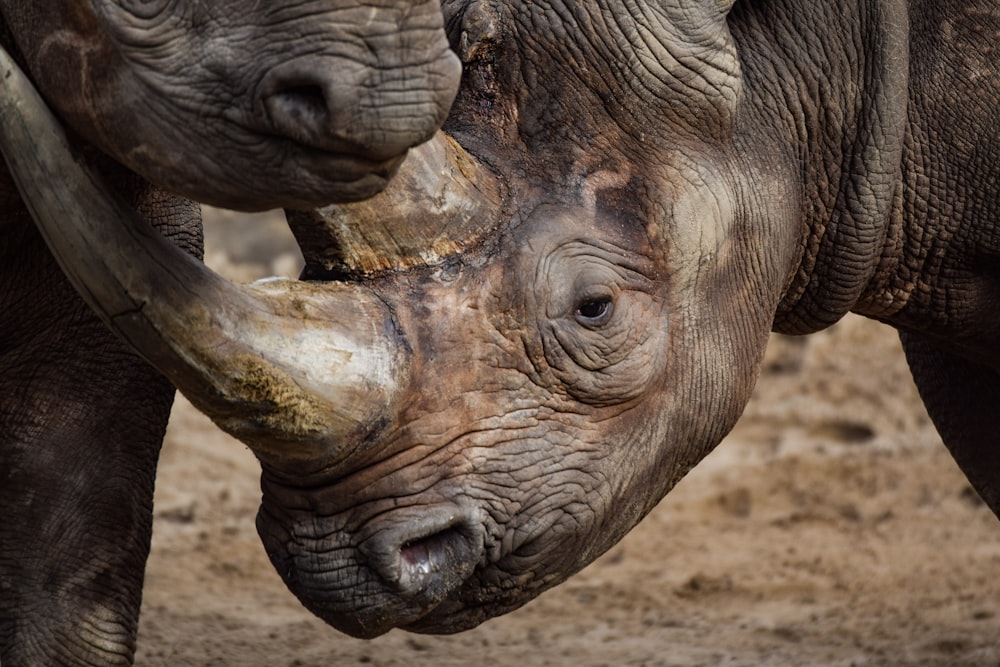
x,y
832,83
939,272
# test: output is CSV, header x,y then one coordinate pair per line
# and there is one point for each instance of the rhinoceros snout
x,y
394,570
424,555
334,105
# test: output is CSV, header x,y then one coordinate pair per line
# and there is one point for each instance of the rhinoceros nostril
x,y
425,557
431,567
305,103
315,102
300,112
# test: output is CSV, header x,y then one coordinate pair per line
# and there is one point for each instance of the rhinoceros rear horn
x,y
441,203
300,372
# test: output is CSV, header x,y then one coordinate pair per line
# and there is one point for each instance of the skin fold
x,y
651,189
76,478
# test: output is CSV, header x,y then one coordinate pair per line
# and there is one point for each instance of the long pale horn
x,y
440,203
300,372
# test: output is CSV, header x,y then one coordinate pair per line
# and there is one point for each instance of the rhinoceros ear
x,y
686,50
694,17
473,27
713,9
479,31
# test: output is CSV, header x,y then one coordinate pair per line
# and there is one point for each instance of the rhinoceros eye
x,y
594,312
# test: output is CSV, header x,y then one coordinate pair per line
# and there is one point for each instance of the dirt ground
x,y
830,528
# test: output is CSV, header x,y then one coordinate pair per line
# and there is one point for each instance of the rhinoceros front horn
x,y
301,372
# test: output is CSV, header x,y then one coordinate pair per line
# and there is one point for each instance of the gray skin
x,y
236,103
649,190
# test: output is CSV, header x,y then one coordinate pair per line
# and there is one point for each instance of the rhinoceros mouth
x,y
394,571
362,606
344,158
294,172
338,162
420,563
348,176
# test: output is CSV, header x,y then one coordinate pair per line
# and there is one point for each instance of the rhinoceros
x,y
241,104
492,370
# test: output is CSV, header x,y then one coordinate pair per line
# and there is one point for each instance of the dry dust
x,y
830,528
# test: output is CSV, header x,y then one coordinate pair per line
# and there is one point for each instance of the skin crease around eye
x,y
143,9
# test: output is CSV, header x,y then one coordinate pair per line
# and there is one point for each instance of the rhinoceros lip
x,y
344,166
341,160
392,571
337,177
453,616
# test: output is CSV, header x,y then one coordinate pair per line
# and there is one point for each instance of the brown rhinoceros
x,y
230,102
495,369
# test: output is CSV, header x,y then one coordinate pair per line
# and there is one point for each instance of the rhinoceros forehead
x,y
635,61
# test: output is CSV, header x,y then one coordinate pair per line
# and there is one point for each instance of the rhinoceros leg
x,y
81,421
963,399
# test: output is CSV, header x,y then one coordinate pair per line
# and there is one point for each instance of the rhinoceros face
x,y
548,407
246,104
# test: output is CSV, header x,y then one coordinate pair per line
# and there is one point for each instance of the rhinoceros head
x,y
239,103
595,331
501,363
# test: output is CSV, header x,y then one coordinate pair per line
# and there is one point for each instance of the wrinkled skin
x,y
678,180
241,104
651,188
76,479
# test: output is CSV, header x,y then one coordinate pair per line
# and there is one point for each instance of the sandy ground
x,y
830,528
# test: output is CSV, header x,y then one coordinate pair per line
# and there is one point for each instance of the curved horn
x,y
441,202
300,372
